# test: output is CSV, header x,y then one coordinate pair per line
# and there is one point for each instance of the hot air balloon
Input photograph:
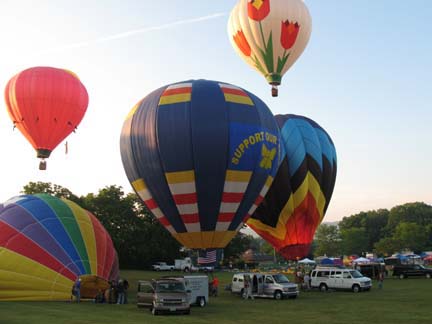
x,y
46,104
201,155
299,196
46,243
270,35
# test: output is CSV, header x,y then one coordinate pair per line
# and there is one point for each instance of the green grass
x,y
401,301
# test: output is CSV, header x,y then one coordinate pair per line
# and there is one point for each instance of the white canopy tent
x,y
361,260
307,261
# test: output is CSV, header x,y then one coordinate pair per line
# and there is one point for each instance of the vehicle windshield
x,y
167,287
355,274
280,278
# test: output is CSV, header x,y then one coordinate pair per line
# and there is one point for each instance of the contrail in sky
x,y
132,33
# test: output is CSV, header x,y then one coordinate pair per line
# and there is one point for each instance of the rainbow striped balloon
x,y
46,243
300,193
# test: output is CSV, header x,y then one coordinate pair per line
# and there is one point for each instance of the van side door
x,y
145,294
347,280
336,279
269,285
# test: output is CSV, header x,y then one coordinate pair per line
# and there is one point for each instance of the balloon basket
x,y
274,91
42,165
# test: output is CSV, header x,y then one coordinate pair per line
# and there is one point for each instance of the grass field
x,y
400,301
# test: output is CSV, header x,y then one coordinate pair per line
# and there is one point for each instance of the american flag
x,y
207,256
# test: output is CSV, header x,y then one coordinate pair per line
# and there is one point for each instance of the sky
x,y
365,77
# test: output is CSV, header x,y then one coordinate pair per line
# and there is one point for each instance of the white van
x,y
326,278
266,285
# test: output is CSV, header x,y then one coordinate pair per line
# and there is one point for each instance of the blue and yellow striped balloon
x,y
201,155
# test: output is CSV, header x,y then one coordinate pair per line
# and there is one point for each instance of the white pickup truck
x,y
162,266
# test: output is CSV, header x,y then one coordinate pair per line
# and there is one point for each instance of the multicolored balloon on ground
x,y
300,194
46,104
201,155
270,35
46,243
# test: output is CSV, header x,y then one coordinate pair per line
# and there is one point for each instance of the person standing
x,y
380,279
215,286
306,281
126,287
248,288
77,290
120,292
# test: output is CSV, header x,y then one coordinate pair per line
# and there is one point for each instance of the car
x,y
411,270
162,266
202,268
325,278
163,296
371,270
265,285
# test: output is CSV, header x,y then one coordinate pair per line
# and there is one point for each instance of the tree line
x,y
140,240
382,231
138,237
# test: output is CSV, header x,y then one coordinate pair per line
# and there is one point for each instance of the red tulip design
x,y
258,9
242,43
289,32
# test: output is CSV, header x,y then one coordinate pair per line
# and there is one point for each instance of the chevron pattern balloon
x,y
299,196
46,243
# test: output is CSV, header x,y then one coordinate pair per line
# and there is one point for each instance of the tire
x,y
401,276
278,295
201,301
186,269
428,275
187,312
356,288
323,287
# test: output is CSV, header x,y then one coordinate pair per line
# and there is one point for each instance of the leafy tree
x,y
52,189
375,227
386,246
354,240
239,244
139,239
137,236
411,236
418,212
328,241
373,222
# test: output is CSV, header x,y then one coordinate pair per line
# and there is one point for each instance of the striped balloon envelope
x,y
299,196
201,155
46,243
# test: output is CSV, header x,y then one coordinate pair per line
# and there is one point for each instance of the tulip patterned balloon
x,y
270,35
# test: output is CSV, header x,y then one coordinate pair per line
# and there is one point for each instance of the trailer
x,y
197,287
